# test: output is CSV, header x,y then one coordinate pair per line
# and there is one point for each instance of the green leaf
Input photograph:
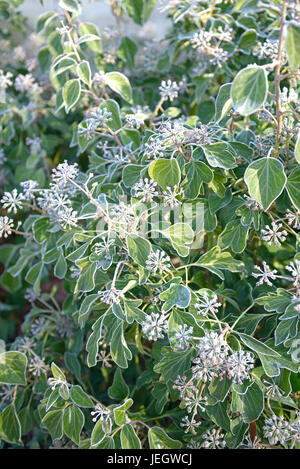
x,y
84,72
44,20
13,368
107,443
34,275
86,307
40,228
53,421
92,345
26,419
181,234
70,5
276,301
223,102
129,438
119,350
131,174
57,372
55,44
119,389
273,365
175,295
216,260
120,412
293,187
237,434
44,58
180,318
139,248
133,313
292,41
139,10
71,93
165,172
119,83
234,235
64,392
248,40
53,397
220,155
297,148
251,404
174,363
160,393
257,346
219,414
73,421
265,179
219,388
249,90
73,364
98,434
112,106
10,427
285,330
60,268
80,398
195,174
127,50
159,439
91,29
86,281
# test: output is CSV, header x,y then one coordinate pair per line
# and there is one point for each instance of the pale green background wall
x,y
99,12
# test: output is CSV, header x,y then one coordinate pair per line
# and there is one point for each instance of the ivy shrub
x,y
150,211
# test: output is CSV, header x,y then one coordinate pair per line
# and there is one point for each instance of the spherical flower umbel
x,y
276,429
155,326
202,370
158,261
207,305
274,235
24,82
170,197
265,274
190,424
12,200
182,337
111,296
213,350
6,226
169,90
37,366
238,365
100,412
294,268
29,188
293,218
64,173
5,79
295,428
213,439
67,217
146,189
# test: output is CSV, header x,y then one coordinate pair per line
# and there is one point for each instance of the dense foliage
x,y
150,215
